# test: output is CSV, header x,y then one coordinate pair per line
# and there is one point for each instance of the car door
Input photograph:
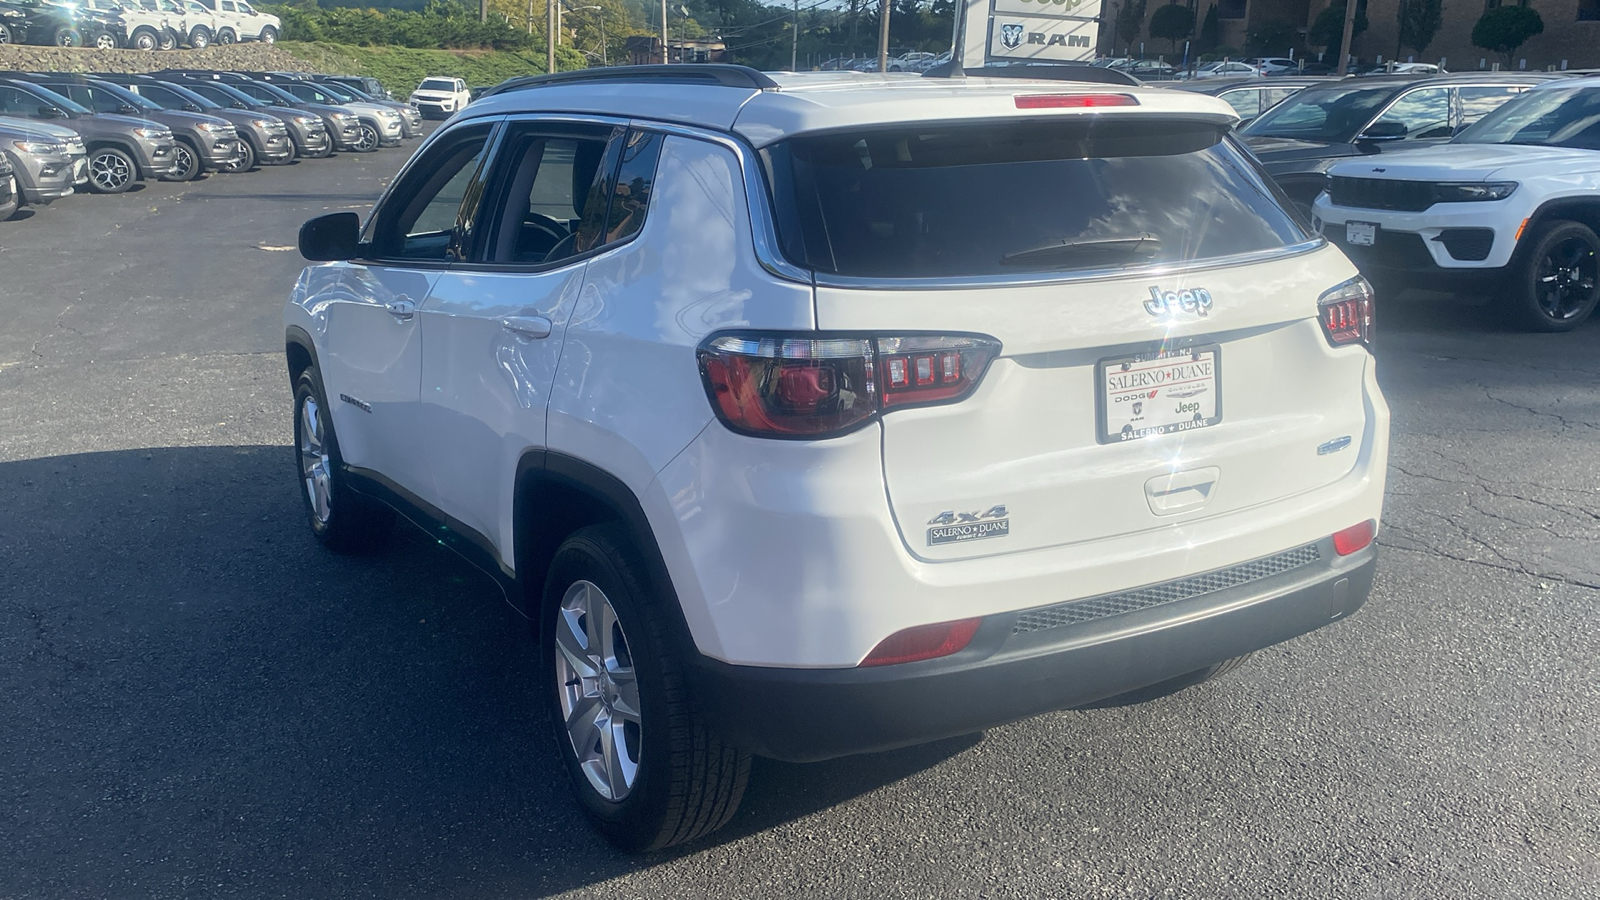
x,y
371,352
1424,112
493,325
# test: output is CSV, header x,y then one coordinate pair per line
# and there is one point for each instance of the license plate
x,y
1162,392
1361,234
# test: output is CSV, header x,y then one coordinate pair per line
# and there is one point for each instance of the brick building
x,y
1571,31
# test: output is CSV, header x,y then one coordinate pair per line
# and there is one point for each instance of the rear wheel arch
x,y
556,495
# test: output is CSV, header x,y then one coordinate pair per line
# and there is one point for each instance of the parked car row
x,y
61,133
135,24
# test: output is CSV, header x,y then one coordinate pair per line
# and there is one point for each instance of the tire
x,y
226,36
144,38
5,34
244,160
169,40
111,171
601,617
269,35
10,207
344,521
189,165
368,140
200,37
1170,686
67,36
1556,284
105,40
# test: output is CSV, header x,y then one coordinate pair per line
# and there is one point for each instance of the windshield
x,y
127,96
1332,114
51,97
283,96
338,90
354,92
197,99
1554,117
1063,194
223,90
436,84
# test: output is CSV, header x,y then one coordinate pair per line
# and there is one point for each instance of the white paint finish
x,y
628,395
485,388
373,356
784,553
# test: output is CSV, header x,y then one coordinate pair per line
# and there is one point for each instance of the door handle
x,y
402,308
527,326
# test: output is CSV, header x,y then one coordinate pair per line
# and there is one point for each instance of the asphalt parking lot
x,y
197,701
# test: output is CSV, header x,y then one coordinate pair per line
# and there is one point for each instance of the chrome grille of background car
x,y
1077,611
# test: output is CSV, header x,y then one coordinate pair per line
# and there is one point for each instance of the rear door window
x,y
1001,198
1247,103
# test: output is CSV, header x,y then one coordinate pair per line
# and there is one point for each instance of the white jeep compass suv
x,y
811,415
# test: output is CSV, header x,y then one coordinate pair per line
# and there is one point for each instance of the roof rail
x,y
722,74
1059,72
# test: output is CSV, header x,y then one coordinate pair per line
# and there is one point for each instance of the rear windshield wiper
x,y
1142,247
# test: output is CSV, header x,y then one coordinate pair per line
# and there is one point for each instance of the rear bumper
x,y
1019,665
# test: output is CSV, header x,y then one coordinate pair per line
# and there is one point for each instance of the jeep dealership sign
x,y
1034,30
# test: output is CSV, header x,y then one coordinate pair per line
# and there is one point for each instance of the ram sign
x,y
1032,30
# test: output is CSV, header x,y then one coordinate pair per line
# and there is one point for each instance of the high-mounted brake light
x,y
810,385
1074,101
923,642
1348,313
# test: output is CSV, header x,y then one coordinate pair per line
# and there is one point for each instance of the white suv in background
x,y
1510,205
236,20
811,415
440,96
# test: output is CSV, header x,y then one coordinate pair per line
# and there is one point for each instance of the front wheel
x,y
111,171
188,167
269,35
341,519
225,36
200,38
5,34
105,40
145,38
368,140
169,40
244,158
647,770
1557,284
66,36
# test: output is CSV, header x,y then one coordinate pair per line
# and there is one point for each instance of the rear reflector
x,y
1354,538
1348,313
1074,101
923,642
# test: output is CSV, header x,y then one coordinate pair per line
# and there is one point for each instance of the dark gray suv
x,y
49,161
204,143
121,150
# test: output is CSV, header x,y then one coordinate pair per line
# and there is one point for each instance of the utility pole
x,y
794,45
665,56
1349,33
883,36
550,35
483,11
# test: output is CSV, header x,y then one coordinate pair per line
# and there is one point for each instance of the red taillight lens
x,y
923,642
1348,313
813,386
1354,538
1074,101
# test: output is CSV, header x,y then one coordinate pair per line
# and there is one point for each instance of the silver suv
x,y
49,161
121,150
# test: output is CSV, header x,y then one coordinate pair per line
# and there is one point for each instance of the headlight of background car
x,y
263,124
304,121
39,147
1471,192
153,134
212,127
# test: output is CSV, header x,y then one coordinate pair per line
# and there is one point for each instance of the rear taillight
x,y
923,642
1348,313
1354,538
809,386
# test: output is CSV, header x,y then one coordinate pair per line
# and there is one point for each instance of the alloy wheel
x,y
599,690
105,42
185,161
1565,279
110,172
367,139
315,467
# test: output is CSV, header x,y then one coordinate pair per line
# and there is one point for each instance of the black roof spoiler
x,y
715,74
1059,72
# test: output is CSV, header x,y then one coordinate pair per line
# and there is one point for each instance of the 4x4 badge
x,y
951,527
1197,300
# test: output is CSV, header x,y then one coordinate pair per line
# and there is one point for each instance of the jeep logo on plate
x,y
1197,301
956,527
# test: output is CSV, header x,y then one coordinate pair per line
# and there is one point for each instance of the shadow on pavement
x,y
199,700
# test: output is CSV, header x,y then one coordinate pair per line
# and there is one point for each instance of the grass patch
x,y
401,68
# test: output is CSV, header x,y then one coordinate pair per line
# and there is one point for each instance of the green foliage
x,y
1172,23
1419,22
1272,38
1328,28
1210,31
401,68
1130,21
1505,28
442,24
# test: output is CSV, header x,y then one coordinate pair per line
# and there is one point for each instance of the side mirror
x,y
128,109
51,112
191,106
1384,131
331,238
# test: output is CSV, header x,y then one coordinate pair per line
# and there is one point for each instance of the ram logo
x,y
1011,36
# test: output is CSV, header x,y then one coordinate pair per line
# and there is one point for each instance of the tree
x,y
1505,28
1130,21
1419,22
1172,23
1328,29
1210,31
1271,38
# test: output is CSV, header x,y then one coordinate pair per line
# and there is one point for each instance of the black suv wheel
x,y
1557,284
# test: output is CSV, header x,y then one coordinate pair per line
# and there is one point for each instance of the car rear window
x,y
1006,197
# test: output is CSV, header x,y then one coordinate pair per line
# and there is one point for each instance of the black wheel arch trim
x,y
1587,207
